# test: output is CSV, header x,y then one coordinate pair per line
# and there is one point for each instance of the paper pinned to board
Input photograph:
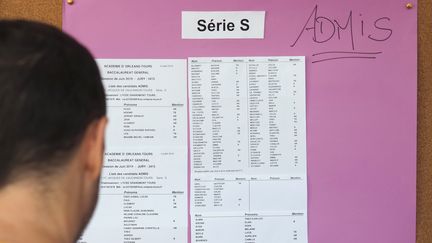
x,y
361,102
223,25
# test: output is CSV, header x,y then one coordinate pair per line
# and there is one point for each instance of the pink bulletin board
x,y
361,76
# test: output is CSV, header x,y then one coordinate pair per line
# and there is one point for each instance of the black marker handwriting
x,y
345,57
325,28
346,52
333,55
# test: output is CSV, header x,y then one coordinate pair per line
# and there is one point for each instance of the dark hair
x,y
50,91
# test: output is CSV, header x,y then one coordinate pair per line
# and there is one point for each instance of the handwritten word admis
x,y
354,28
324,28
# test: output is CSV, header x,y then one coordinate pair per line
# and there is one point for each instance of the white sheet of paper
x,y
223,25
247,144
143,191
248,149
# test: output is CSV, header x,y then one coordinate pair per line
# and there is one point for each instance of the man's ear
x,y
94,146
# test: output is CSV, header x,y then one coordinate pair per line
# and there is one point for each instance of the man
x,y
52,125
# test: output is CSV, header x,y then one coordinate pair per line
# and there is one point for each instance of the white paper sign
x,y
223,25
248,149
143,192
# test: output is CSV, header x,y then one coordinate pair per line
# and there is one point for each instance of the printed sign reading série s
x,y
223,25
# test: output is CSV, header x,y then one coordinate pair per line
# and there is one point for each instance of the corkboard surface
x,y
50,11
424,123
47,11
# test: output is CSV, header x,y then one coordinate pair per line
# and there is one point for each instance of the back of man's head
x,y
50,91
52,123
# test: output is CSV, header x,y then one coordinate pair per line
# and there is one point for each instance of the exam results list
x,y
247,178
